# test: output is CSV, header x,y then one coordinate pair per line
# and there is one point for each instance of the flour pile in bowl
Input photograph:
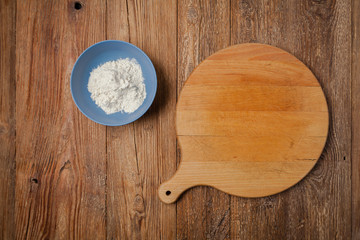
x,y
118,86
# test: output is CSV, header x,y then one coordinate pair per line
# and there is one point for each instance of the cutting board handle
x,y
170,190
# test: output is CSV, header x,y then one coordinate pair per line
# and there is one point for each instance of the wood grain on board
x,y
246,159
317,33
355,96
203,28
7,119
60,154
141,155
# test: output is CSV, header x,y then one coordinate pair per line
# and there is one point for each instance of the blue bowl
x,y
96,55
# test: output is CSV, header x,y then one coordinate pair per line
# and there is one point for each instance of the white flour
x,y
117,86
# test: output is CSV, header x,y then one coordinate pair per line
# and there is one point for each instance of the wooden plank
x,y
241,73
7,119
143,154
355,93
122,172
253,98
278,123
61,155
317,32
253,148
203,28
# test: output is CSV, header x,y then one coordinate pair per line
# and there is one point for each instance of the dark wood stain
x,y
355,121
7,119
66,177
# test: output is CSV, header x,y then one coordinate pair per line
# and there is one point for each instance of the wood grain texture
x,y
7,119
60,154
203,28
246,159
316,32
60,199
143,154
355,97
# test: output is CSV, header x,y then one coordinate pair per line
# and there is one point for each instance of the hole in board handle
x,y
168,193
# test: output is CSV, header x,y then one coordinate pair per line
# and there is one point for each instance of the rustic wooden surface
x,y
355,93
65,177
7,119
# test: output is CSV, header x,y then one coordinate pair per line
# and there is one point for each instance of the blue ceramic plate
x,y
96,55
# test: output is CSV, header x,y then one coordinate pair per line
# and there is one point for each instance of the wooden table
x,y
66,177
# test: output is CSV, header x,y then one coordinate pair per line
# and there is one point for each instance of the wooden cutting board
x,y
251,121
